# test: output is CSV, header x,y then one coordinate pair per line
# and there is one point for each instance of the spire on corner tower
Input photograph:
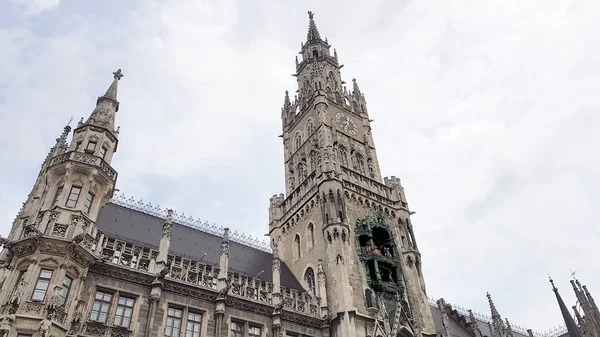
x,y
499,328
107,105
313,32
572,327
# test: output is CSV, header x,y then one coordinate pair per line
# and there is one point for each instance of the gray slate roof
x,y
145,230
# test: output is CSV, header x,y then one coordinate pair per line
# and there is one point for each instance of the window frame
x,y
37,282
87,206
245,327
87,147
102,301
57,194
125,306
63,299
71,193
185,320
103,151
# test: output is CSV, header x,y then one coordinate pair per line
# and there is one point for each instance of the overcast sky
x,y
487,110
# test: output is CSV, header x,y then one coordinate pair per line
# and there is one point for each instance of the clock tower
x,y
339,220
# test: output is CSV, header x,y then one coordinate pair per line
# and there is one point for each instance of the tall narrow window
x,y
91,146
41,286
64,292
73,196
297,246
101,306
192,327
298,141
237,329
253,331
124,311
311,235
89,198
59,190
344,156
173,322
102,152
309,278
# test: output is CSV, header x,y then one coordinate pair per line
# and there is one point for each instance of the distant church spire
x,y
313,32
107,105
569,321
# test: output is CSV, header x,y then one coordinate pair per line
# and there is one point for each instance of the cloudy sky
x,y
487,110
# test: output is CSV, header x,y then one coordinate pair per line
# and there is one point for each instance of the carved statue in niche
x,y
166,229
292,181
54,300
7,323
223,292
18,293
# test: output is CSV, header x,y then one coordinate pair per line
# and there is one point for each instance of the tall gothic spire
x,y
61,143
493,307
313,32
569,321
107,105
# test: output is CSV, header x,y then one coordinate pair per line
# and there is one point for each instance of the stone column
x,y
322,288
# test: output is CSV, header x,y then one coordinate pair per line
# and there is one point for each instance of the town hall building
x,y
342,260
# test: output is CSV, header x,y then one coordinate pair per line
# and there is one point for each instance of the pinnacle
x,y
313,32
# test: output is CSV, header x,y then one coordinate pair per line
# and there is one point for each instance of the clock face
x,y
346,123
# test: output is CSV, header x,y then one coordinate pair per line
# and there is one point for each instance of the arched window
x,y
313,161
315,53
309,278
297,247
311,235
298,141
360,163
309,128
344,156
301,173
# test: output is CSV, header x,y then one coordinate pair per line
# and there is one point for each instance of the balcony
x,y
87,159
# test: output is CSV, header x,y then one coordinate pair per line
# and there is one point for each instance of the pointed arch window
x,y
309,128
309,279
311,235
298,141
313,161
344,156
297,247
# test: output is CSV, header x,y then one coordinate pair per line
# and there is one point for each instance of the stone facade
x,y
343,258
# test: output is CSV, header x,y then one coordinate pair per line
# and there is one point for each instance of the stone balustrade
x,y
87,159
194,272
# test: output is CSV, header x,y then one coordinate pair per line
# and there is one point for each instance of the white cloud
x,y
487,111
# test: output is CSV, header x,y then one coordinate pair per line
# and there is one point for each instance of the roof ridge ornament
x,y
189,221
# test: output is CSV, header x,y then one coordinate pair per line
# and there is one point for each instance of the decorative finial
x,y
117,74
226,234
311,15
573,273
552,283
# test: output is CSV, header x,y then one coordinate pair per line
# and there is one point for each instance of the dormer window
x,y
91,146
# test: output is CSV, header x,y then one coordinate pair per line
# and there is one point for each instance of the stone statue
x,y
166,229
44,328
18,293
223,292
54,300
7,323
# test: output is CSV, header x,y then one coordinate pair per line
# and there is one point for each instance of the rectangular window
x,y
23,335
237,329
57,195
64,292
102,152
194,322
89,198
41,286
73,196
124,311
254,331
91,146
173,322
101,306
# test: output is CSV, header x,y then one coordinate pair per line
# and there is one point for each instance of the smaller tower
x,y
499,329
572,328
